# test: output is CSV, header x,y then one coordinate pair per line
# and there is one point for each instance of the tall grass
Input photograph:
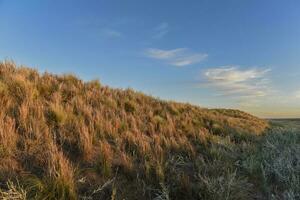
x,y
63,138
276,164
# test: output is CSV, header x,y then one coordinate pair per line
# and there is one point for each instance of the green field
x,y
286,123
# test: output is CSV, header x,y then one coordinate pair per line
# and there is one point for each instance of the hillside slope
x,y
62,138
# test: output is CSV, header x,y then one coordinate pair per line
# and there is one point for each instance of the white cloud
x,y
161,30
188,60
233,74
177,57
232,81
164,54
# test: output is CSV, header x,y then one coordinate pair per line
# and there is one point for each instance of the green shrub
x,y
49,188
130,107
275,164
95,84
281,163
18,90
3,88
56,115
57,190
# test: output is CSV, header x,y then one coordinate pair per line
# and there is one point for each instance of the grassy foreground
x,y
62,138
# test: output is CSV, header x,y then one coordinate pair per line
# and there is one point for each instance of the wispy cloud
x,y
236,82
101,28
297,94
178,57
111,33
164,54
161,30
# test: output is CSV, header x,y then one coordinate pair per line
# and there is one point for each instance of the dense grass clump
x,y
276,164
62,138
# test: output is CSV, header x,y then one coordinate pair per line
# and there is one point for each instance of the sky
x,y
241,54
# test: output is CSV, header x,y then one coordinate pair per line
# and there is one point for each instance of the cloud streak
x,y
161,30
177,57
235,82
111,33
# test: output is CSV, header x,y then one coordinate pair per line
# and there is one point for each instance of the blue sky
x,y
241,54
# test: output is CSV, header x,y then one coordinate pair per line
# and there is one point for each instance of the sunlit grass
x,y
63,138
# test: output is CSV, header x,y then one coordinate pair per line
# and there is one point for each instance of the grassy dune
x,y
62,138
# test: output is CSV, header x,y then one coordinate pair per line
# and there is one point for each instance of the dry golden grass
x,y
59,129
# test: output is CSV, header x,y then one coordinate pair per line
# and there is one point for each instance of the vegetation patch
x,y
63,138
